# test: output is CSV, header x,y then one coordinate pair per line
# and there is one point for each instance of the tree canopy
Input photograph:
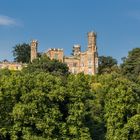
x,y
107,64
21,53
131,64
44,64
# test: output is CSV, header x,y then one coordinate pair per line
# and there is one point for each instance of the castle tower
x,y
76,50
91,41
33,45
92,54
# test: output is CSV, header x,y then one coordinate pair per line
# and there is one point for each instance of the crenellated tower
x,y
92,54
34,45
91,41
76,50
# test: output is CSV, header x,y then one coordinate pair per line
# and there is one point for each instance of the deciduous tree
x,y
44,64
131,64
107,64
21,53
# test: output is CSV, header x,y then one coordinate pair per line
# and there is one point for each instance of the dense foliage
x,y
107,64
121,101
131,64
45,102
44,64
21,53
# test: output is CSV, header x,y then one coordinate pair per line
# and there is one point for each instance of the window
x,y
82,64
82,58
90,56
74,64
89,63
55,56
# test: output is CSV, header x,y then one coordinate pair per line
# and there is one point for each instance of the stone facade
x,y
86,62
12,65
56,54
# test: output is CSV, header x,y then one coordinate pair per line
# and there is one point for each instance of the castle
x,y
86,62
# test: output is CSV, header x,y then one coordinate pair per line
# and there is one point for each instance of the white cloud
x,y
6,21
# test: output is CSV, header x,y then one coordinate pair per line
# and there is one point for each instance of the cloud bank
x,y
7,21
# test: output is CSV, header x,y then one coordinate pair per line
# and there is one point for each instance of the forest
x,y
46,102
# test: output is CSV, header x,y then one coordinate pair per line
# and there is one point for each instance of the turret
x,y
76,50
34,45
91,40
92,53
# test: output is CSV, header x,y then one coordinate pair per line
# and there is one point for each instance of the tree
x,y
131,130
5,72
21,53
29,106
107,64
78,108
131,64
44,64
121,102
37,115
121,105
10,86
40,106
97,111
116,106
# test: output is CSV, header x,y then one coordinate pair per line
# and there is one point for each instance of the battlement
x,y
76,45
92,34
76,49
55,49
34,41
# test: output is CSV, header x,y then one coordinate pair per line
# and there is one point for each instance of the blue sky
x,y
63,23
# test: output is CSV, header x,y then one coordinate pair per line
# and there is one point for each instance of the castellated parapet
x,y
34,45
76,49
55,53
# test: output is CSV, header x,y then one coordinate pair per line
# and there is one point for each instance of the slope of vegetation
x,y
45,102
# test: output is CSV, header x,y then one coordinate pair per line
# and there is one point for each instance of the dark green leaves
x,y
21,53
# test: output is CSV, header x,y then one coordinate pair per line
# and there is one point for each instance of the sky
x,y
63,23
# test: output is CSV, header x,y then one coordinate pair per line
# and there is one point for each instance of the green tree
x,y
131,64
107,64
29,106
44,64
40,106
121,101
10,87
117,107
78,107
97,111
21,53
37,115
121,106
131,130
5,72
